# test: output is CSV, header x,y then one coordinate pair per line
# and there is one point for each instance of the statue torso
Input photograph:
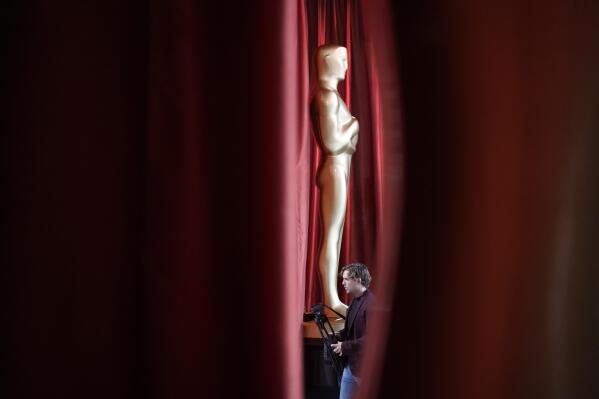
x,y
333,143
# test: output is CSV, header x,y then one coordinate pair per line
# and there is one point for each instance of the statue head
x,y
331,61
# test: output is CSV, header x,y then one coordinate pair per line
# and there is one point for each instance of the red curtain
x,y
496,295
152,161
224,278
72,168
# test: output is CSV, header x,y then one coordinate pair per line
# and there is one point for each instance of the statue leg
x,y
333,204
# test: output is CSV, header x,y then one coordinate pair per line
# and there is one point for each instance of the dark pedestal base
x,y
320,380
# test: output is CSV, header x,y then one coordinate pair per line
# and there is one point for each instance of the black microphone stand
x,y
322,321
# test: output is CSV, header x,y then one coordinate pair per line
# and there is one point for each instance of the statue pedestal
x,y
311,329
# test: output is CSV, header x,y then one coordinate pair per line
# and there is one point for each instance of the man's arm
x,y
337,346
352,346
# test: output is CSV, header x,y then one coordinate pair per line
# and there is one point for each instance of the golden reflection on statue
x,y
337,135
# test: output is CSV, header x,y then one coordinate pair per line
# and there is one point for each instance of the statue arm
x,y
351,126
335,136
350,130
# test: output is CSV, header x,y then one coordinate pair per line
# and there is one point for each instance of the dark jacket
x,y
353,335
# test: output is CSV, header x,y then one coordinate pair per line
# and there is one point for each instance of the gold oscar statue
x,y
337,135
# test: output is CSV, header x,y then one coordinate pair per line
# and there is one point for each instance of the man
x,y
356,280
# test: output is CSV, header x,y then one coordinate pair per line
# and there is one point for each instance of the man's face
x,y
352,286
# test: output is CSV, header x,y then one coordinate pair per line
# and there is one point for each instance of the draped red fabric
x,y
225,276
496,296
342,22
73,78
154,211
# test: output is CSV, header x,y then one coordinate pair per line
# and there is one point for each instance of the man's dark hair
x,y
357,271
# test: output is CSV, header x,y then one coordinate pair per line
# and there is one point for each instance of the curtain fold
x,y
152,156
222,257
72,165
496,296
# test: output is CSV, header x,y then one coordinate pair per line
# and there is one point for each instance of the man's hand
x,y
337,348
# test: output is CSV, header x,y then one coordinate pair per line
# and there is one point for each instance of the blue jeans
x,y
349,384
